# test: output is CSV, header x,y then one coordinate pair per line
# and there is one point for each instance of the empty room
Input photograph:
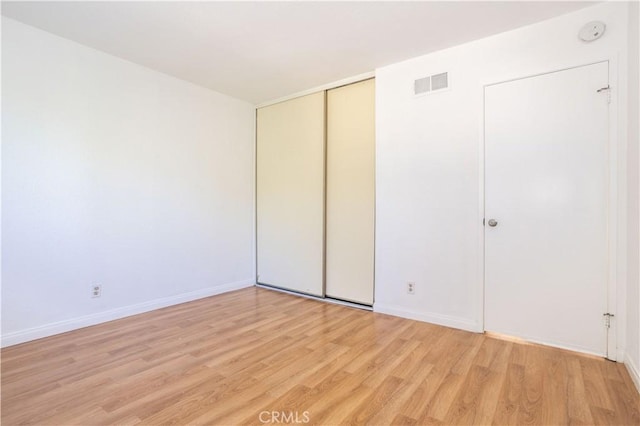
x,y
317,212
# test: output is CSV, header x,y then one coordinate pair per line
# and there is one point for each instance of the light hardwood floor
x,y
227,359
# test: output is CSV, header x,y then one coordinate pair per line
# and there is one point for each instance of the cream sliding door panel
x,y
351,192
290,194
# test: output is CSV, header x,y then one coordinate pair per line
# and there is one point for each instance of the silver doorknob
x,y
493,222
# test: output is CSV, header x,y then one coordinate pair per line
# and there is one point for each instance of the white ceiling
x,y
259,51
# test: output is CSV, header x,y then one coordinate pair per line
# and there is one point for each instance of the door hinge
x,y
607,319
606,89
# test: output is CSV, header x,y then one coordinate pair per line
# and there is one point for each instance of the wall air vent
x,y
433,83
439,81
422,85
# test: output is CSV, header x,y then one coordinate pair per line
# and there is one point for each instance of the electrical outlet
x,y
96,290
411,287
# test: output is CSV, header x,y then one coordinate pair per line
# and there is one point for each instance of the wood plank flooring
x,y
257,356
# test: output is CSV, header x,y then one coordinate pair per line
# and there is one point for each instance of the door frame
x,y
615,206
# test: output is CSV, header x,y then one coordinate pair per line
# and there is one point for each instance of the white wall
x,y
633,164
119,175
429,187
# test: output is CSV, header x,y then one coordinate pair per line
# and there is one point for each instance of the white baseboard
x,y
445,320
633,370
50,329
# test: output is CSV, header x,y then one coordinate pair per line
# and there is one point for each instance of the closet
x,y
316,193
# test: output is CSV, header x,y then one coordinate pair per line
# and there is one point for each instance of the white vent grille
x,y
422,85
432,83
439,81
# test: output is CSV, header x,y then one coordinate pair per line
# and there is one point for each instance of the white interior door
x,y
351,192
290,194
546,186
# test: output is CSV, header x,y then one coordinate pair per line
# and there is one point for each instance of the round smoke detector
x,y
592,31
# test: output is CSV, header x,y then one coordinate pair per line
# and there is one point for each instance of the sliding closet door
x,y
351,192
290,194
